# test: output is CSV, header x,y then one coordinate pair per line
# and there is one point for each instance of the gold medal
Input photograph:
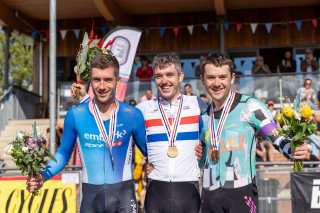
x,y
172,151
215,156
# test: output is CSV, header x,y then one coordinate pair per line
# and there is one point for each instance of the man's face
x,y
217,81
187,89
168,82
307,84
287,55
149,94
104,84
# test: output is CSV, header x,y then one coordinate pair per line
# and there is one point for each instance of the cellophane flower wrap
x,y
296,125
89,48
29,153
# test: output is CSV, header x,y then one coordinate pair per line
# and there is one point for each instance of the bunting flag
x,y
182,64
175,31
34,33
63,34
29,47
284,26
253,62
47,33
103,29
239,26
161,30
268,27
242,62
226,25
298,24
315,22
254,27
300,58
76,32
190,29
192,64
205,27
147,30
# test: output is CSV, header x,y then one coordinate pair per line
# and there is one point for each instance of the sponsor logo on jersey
x,y
234,143
230,126
186,107
97,140
80,109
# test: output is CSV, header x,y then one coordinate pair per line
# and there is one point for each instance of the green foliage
x,y
20,62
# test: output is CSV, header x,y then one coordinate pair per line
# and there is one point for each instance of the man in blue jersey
x,y
105,128
228,132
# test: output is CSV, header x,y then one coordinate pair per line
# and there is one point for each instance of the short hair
x,y
187,85
149,89
203,96
218,60
305,81
105,61
162,61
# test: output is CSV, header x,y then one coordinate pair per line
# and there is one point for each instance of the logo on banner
x,y
120,49
315,199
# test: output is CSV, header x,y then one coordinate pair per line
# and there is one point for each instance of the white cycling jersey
x,y
184,167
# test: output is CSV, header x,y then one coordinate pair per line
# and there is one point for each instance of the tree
x,y
20,60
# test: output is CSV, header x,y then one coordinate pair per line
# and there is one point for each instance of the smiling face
x,y
104,84
218,81
168,82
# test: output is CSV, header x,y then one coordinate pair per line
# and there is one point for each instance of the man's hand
x,y
35,183
149,168
199,151
78,90
300,152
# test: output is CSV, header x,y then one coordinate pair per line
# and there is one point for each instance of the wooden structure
x,y
28,16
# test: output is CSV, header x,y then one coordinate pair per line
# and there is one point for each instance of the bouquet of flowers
x,y
89,48
295,123
29,153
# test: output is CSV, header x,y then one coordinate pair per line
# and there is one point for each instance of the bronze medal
x,y
215,156
172,151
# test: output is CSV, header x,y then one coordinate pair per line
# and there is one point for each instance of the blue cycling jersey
x,y
94,155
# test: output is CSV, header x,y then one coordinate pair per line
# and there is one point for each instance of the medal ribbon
x,y
215,135
108,139
171,130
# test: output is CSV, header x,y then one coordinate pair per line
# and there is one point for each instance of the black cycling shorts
x,y
221,200
172,197
108,198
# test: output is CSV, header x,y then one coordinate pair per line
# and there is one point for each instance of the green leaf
x,y
37,168
94,43
75,69
297,137
85,40
51,156
83,56
82,68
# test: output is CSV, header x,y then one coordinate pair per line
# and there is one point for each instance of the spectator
x,y
236,84
259,67
59,132
147,96
3,165
187,90
204,98
259,151
273,111
132,102
145,72
309,64
307,93
197,70
288,64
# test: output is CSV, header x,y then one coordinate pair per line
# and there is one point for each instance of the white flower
x,y
285,127
8,150
20,135
24,149
38,130
275,132
297,115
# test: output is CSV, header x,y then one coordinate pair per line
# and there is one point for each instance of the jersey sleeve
x,y
66,147
203,144
139,132
259,117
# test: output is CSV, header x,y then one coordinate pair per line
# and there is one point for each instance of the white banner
x,y
124,49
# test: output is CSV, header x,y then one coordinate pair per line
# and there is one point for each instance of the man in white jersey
x,y
172,128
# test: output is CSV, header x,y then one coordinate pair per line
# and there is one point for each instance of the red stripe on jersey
x,y
184,120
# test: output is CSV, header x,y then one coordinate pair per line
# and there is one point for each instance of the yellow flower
x,y
306,112
288,111
279,119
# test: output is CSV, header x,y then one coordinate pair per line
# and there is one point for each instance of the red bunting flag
x,y
47,33
175,30
315,22
239,26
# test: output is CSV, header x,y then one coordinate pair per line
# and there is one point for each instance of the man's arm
x,y
139,132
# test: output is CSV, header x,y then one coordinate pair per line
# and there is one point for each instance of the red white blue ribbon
x,y
216,132
108,139
171,130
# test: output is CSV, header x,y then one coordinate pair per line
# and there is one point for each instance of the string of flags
x,y
190,28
